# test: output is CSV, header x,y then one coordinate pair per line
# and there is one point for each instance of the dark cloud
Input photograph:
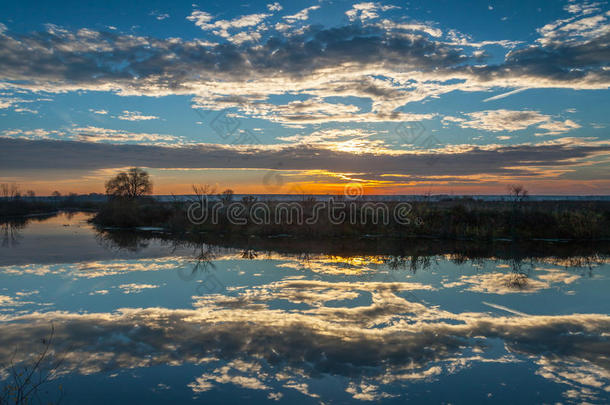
x,y
558,62
112,61
92,58
515,160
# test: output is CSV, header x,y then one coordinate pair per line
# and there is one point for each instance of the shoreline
x,y
457,220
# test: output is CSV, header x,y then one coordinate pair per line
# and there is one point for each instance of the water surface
x,y
152,321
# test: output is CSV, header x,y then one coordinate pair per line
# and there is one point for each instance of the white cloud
x,y
512,120
503,95
244,36
582,8
96,134
6,103
580,27
99,292
347,140
281,26
274,6
16,104
159,16
387,63
222,27
558,127
413,26
203,19
503,120
367,11
319,330
134,288
135,116
301,15
37,133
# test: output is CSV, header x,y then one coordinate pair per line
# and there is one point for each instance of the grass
x,y
459,219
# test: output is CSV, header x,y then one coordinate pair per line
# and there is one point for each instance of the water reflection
x,y
118,241
250,320
374,348
9,233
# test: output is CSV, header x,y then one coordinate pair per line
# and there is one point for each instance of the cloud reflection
x,y
385,342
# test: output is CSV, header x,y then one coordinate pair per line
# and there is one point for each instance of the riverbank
x,y
16,208
455,220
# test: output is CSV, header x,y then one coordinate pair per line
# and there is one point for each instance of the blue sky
x,y
398,97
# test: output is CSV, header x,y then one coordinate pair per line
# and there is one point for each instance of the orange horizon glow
x,y
540,187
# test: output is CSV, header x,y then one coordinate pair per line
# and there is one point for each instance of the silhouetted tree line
x,y
468,219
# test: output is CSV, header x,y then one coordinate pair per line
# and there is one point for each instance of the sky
x,y
307,97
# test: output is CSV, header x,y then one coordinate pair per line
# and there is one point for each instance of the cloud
x,y
134,288
159,16
344,140
301,15
386,62
101,268
100,111
581,26
371,346
200,18
413,26
99,292
17,104
457,161
221,27
367,11
136,116
458,38
6,103
37,133
274,6
558,127
512,120
503,95
310,111
95,135
503,120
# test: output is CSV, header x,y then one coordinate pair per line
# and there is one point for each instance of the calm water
x,y
154,322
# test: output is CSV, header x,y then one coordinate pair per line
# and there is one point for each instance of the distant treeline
x,y
461,219
17,206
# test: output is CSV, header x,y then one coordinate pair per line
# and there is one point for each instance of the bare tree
x,y
9,190
226,196
25,382
131,184
517,192
203,191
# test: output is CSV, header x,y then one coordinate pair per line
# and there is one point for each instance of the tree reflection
x,y
202,263
118,241
249,254
10,233
419,255
520,274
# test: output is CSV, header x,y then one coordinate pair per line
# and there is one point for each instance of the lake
x,y
148,320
